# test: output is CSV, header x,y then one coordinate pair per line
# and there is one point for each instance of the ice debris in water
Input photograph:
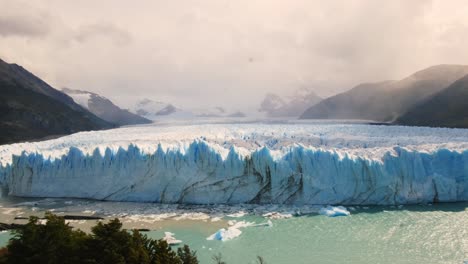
x,y
234,231
333,211
170,239
277,215
237,214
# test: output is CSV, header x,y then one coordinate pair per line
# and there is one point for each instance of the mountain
x,y
157,110
289,106
237,114
104,108
32,109
447,108
216,111
271,103
385,101
154,110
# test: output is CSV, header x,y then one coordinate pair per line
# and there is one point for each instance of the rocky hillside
x,y
386,101
447,108
31,109
104,108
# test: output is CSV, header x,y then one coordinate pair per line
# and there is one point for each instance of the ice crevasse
x,y
200,174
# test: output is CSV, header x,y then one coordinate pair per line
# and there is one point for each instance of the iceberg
x,y
300,164
170,239
231,232
334,211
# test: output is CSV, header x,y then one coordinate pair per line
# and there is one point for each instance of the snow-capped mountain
x,y
156,110
216,111
293,105
104,108
271,103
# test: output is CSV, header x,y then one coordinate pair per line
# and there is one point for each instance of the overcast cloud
x,y
229,53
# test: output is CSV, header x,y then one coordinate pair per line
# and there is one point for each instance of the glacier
x,y
296,163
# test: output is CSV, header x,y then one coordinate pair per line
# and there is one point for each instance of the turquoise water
x,y
4,237
412,234
415,234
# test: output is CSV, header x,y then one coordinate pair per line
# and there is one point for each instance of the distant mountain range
x,y
447,108
387,101
32,109
153,110
274,105
104,108
156,110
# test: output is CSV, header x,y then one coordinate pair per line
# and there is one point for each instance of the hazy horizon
x,y
228,53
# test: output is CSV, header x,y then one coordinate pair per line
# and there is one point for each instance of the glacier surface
x,y
254,162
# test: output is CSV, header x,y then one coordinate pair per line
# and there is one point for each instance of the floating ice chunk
x,y
170,239
238,214
333,211
192,216
225,234
11,211
277,215
79,222
231,232
267,223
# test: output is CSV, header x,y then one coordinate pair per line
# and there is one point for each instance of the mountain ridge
x,y
274,105
447,108
31,109
386,101
105,108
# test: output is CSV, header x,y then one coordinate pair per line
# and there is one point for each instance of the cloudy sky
x,y
230,53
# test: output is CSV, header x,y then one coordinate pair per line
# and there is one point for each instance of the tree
x,y
187,256
260,260
218,259
56,242
161,253
109,244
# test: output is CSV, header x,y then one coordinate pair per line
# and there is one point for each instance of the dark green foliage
x,y
218,259
260,260
54,242
57,242
187,256
160,252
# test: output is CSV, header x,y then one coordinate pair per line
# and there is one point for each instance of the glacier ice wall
x,y
201,175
